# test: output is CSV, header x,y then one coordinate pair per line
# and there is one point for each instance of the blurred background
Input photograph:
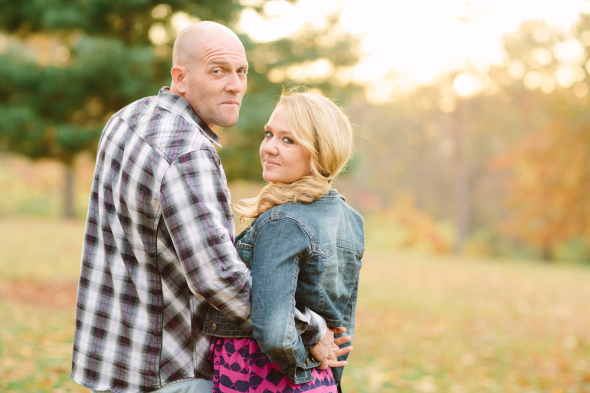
x,y
472,171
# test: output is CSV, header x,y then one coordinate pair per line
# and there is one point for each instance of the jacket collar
x,y
332,193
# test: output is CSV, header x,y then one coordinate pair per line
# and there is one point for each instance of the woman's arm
x,y
280,247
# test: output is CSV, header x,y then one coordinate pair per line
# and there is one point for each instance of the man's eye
x,y
242,72
217,71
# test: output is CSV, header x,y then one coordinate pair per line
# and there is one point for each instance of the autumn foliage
x,y
550,186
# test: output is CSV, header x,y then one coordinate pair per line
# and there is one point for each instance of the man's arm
x,y
328,349
193,200
311,326
319,339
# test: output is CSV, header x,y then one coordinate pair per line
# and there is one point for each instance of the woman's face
x,y
283,160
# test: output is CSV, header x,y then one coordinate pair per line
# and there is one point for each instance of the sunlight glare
x,y
3,43
158,34
277,8
160,11
516,69
571,52
181,20
466,85
285,19
424,38
565,75
532,80
317,71
542,56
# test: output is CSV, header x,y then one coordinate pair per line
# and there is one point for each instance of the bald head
x,y
210,71
190,44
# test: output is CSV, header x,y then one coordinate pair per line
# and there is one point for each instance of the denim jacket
x,y
301,255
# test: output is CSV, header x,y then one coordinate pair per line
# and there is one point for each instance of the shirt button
x,y
213,327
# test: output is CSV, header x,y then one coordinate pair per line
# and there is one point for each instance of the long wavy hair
x,y
321,127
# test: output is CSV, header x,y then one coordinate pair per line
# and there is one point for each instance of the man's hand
x,y
327,350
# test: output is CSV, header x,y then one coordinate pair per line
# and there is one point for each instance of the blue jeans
x,y
182,386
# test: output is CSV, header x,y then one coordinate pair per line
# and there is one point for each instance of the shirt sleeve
x,y
277,252
311,326
193,200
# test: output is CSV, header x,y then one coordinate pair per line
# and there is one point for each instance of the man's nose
x,y
234,84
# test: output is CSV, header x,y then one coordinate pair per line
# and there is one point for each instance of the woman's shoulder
x,y
284,217
278,214
328,204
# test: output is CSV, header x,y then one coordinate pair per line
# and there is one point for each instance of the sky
x,y
417,38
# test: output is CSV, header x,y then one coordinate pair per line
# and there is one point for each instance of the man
x,y
158,246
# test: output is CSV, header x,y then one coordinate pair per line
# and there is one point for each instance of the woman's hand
x,y
327,351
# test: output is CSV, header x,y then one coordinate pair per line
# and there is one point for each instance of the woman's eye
x,y
267,134
287,140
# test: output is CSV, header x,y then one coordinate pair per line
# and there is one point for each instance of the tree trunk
x,y
68,191
461,186
547,253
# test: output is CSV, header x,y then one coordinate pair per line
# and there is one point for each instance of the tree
x,y
89,59
549,190
550,187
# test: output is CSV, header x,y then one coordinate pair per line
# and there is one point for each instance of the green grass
x,y
40,249
36,349
424,324
465,325
37,255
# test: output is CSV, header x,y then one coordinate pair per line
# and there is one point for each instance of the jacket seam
x,y
309,248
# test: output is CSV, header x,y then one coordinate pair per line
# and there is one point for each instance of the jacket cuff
x,y
301,372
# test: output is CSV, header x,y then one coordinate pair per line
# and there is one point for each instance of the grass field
x,y
424,324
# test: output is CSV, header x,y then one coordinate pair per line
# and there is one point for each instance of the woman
x,y
304,247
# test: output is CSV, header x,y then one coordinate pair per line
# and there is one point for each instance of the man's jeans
x,y
182,386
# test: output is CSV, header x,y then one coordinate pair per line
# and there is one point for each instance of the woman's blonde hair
x,y
321,127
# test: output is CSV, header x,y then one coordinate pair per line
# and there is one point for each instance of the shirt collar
x,y
181,107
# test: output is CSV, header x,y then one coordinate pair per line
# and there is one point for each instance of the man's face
x,y
217,82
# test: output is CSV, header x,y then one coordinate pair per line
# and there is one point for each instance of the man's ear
x,y
179,78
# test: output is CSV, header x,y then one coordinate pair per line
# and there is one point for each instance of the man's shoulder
x,y
167,132
137,109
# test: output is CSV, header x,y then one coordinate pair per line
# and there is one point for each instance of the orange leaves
x,y
404,225
550,187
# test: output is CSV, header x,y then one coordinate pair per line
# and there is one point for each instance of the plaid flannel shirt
x,y
158,250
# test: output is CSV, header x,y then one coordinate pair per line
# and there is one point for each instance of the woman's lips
x,y
270,164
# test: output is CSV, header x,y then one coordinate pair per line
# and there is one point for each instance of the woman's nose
x,y
270,147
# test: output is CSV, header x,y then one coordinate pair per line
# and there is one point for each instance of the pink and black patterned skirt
x,y
241,367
